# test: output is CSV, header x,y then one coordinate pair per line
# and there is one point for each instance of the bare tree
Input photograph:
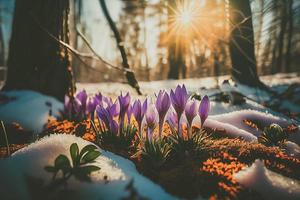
x,y
281,38
289,35
36,61
241,43
1,44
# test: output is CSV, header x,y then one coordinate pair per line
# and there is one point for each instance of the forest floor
x,y
228,166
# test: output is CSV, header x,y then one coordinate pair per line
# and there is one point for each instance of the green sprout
x,y
155,152
190,146
273,135
123,140
79,168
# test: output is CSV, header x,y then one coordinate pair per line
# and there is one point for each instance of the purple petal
x,y
113,109
166,102
151,117
103,114
129,113
204,109
172,119
124,102
145,106
82,97
190,111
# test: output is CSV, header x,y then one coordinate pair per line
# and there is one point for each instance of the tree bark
x,y
35,60
289,36
1,45
281,39
129,74
241,43
260,27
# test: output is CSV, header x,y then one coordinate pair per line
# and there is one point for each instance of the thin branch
x,y
96,55
129,75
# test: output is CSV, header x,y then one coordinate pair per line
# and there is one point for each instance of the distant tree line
x,y
245,37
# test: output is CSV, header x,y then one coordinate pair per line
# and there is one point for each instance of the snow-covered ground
x,y
269,184
192,85
31,160
32,111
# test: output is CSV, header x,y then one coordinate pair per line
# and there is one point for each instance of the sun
x,y
185,17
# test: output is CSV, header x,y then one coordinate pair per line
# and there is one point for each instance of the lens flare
x,y
185,17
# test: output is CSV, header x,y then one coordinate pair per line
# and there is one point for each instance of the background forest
x,y
170,39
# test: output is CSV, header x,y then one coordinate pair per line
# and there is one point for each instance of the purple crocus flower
x,y
138,111
105,115
162,105
190,113
72,107
151,121
92,104
173,122
107,100
113,109
124,102
179,99
204,109
82,97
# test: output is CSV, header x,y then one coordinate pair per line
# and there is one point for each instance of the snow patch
x,y
269,184
233,123
28,108
31,161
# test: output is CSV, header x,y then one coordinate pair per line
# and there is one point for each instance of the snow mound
x,y
28,108
269,184
107,183
235,127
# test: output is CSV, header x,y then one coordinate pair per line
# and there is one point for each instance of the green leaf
x,y
90,156
86,149
51,169
74,151
83,173
62,162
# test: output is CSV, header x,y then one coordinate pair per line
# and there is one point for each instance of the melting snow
x,y
269,184
31,161
28,108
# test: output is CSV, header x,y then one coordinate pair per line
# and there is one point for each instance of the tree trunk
x,y
290,36
281,39
36,61
241,43
1,45
260,27
175,51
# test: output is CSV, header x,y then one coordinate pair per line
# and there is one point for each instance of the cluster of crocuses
x,y
175,107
